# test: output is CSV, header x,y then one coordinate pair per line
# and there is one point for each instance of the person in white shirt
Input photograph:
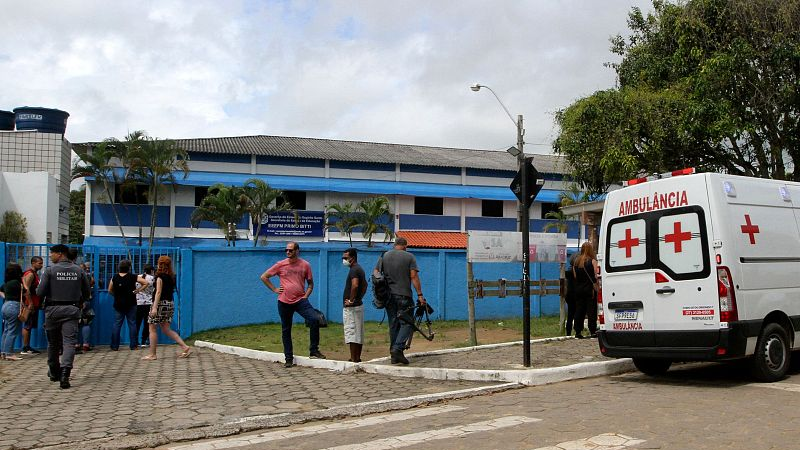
x,y
144,300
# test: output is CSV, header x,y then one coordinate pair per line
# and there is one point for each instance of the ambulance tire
x,y
771,359
651,366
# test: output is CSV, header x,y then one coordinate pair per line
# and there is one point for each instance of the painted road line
x,y
605,441
241,441
780,386
408,440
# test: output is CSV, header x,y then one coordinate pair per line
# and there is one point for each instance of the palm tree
x,y
98,163
132,177
560,223
261,202
342,217
222,206
372,216
155,163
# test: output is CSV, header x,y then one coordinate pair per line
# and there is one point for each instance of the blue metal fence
x,y
103,263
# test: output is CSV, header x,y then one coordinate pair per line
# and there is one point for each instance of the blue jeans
x,y
84,334
11,326
399,330
130,317
304,308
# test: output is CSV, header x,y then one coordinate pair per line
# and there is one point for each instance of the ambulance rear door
x,y
657,273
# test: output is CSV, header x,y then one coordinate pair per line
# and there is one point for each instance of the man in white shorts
x,y
353,311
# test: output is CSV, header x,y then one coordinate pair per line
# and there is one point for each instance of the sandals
x,y
185,353
149,358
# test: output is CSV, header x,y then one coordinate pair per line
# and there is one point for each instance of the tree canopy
x,y
711,84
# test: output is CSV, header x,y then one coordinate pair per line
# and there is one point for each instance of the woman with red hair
x,y
163,308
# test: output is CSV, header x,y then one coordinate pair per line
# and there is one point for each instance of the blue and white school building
x,y
432,189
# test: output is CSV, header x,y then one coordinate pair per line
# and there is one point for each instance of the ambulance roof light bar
x,y
674,173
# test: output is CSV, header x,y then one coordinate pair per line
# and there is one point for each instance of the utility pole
x,y
524,225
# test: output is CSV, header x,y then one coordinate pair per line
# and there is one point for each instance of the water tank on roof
x,y
45,120
6,121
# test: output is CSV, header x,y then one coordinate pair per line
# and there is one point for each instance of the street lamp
x,y
524,225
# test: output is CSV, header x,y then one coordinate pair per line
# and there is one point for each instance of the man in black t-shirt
x,y
353,312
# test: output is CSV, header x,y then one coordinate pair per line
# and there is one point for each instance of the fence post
x,y
473,337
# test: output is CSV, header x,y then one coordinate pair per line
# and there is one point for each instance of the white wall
x,y
35,196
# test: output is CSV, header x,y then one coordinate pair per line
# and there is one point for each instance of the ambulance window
x,y
682,245
627,245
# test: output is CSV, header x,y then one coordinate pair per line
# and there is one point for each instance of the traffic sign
x,y
534,184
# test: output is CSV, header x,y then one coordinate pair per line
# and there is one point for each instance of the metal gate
x,y
102,263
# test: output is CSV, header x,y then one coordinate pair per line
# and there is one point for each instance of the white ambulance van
x,y
701,267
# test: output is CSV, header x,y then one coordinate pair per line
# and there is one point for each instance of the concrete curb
x,y
527,377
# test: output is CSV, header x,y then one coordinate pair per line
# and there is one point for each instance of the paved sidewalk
x,y
116,395
545,353
119,401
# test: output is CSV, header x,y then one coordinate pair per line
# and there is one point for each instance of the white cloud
x,y
360,70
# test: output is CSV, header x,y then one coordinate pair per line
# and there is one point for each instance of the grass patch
x,y
449,334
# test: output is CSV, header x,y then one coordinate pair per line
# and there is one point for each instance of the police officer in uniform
x,y
65,287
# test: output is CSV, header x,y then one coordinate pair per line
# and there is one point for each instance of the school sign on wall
x,y
305,224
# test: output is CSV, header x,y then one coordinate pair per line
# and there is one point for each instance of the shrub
x,y
13,228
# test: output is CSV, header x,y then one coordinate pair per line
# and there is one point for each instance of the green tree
x,y
100,163
155,162
222,205
132,177
373,216
713,84
77,215
14,227
261,202
342,217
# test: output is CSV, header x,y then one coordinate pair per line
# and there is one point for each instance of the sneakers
x,y
398,357
289,363
580,336
29,351
317,355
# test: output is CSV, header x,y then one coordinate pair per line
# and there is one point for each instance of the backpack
x,y
380,287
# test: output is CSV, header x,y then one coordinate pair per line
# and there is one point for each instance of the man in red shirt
x,y
294,274
30,280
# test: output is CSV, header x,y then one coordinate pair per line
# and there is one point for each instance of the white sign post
x,y
506,246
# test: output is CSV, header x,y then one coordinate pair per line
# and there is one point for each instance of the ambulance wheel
x,y
653,367
771,358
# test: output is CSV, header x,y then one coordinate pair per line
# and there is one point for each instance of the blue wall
x,y
102,214
226,289
220,287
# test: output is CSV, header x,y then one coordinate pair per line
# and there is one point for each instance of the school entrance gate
x,y
103,262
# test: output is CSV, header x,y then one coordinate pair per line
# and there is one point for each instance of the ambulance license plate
x,y
626,314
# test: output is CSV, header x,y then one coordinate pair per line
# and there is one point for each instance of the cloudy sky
x,y
382,71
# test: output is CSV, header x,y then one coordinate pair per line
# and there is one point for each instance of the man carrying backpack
x,y
400,268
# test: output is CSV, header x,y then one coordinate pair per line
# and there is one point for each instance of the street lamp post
x,y
524,225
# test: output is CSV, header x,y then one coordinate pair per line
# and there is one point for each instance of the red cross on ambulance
x,y
677,237
750,229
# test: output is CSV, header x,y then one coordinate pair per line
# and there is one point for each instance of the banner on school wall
x,y
506,246
305,224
